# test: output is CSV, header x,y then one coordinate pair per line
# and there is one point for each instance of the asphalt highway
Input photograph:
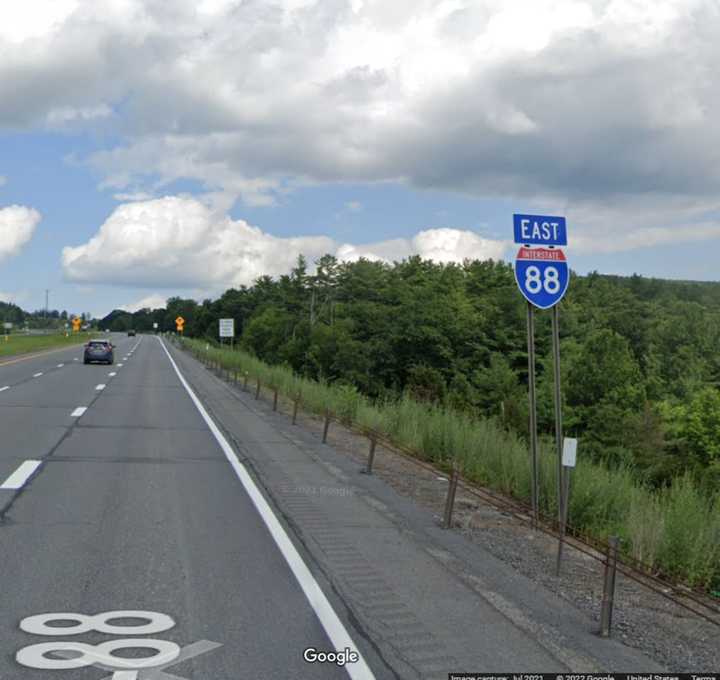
x,y
133,545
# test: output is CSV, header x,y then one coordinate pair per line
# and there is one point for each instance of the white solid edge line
x,y
18,478
78,411
323,609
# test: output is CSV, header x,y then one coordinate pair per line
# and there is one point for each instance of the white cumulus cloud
x,y
17,226
180,242
584,102
154,301
581,103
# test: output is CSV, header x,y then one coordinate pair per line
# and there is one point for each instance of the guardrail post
x,y
450,500
275,398
326,427
257,390
608,599
371,454
295,410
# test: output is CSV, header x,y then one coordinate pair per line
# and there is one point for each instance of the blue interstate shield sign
x,y
542,275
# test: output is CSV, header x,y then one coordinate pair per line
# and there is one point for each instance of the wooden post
x,y
275,399
326,427
608,599
371,454
450,500
257,390
295,410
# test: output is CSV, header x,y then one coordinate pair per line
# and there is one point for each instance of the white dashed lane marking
x,y
78,411
113,374
100,387
18,478
2,389
37,375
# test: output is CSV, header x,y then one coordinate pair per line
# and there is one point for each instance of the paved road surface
x,y
136,507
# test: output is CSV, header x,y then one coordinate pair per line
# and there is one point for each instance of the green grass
x,y
25,344
675,531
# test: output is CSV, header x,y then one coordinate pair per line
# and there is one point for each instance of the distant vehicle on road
x,y
101,351
131,333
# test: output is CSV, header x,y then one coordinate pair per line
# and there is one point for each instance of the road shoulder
x,y
431,601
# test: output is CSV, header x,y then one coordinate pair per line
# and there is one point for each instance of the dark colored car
x,y
99,350
131,333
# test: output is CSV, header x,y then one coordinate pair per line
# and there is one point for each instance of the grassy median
x,y
676,531
17,344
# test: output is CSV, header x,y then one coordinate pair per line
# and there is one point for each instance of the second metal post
x,y
534,485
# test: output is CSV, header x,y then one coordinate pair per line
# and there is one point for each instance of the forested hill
x,y
640,358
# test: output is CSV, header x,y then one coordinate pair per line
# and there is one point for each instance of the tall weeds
x,y
676,531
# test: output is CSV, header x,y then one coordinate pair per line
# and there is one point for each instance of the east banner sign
x,y
540,230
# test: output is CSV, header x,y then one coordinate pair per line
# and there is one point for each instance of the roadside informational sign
x,y
542,275
569,455
7,325
155,325
227,328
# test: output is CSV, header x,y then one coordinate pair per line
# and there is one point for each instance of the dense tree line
x,y
41,318
641,374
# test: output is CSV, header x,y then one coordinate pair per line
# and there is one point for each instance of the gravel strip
x,y
674,637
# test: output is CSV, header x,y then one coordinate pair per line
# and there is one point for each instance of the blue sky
x,y
149,152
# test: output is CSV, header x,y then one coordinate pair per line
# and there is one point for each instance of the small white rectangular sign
x,y
569,452
227,328
7,325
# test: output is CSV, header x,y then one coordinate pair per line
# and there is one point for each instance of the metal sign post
x,y
569,455
558,411
534,482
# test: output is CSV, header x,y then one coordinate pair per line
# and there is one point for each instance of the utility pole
x,y
47,297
